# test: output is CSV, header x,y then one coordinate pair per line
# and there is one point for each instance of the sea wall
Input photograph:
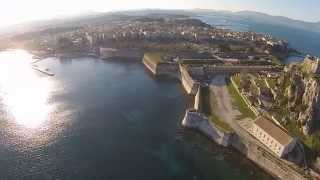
x,y
267,161
173,69
244,143
162,68
190,85
198,121
169,69
119,54
197,99
151,66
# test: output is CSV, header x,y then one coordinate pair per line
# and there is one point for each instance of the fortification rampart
x,y
161,68
267,161
189,84
238,68
197,100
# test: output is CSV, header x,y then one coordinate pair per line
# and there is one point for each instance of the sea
x,y
306,42
98,119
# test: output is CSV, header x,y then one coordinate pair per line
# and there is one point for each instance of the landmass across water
x,y
236,78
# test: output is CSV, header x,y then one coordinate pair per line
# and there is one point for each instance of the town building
x,y
272,136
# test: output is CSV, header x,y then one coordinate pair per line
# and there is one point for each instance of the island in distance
x,y
244,96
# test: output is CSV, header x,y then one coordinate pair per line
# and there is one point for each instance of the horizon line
x,y
57,17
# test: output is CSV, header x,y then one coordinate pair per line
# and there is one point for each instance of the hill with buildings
x,y
99,18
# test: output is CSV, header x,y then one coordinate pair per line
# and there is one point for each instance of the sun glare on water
x,y
23,93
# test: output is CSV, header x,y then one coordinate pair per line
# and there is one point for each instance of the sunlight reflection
x,y
24,93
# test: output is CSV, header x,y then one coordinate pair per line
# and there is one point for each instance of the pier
x,y
42,71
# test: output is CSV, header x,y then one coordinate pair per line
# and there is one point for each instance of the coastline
x,y
122,56
243,142
250,150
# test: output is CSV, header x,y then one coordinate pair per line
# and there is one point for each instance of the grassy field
x,y
154,57
239,103
220,124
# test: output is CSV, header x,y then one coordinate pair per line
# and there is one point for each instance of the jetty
x,y
42,71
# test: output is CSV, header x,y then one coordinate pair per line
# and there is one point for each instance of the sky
x,y
18,11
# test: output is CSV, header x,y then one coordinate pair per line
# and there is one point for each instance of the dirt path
x,y
223,106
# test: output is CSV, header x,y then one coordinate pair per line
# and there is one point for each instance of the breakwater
x,y
43,71
120,54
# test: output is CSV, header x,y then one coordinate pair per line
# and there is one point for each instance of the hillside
x,y
278,20
291,98
100,18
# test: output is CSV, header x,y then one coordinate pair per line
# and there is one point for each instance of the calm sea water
x,y
304,41
102,120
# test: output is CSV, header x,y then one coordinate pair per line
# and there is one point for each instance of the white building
x,y
272,136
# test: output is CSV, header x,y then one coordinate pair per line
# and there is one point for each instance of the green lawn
x,y
220,124
239,103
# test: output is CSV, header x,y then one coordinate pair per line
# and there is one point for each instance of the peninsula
x,y
245,98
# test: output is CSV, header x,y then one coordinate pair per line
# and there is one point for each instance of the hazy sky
x,y
17,11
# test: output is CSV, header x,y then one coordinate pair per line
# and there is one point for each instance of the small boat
x,y
36,57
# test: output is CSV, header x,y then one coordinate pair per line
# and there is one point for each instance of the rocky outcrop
x,y
303,89
297,89
311,65
303,100
311,104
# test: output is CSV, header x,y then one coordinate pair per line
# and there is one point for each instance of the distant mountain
x,y
245,16
248,17
68,22
279,20
102,18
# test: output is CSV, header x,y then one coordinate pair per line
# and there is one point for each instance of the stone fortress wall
x,y
175,70
194,120
161,68
266,160
190,85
